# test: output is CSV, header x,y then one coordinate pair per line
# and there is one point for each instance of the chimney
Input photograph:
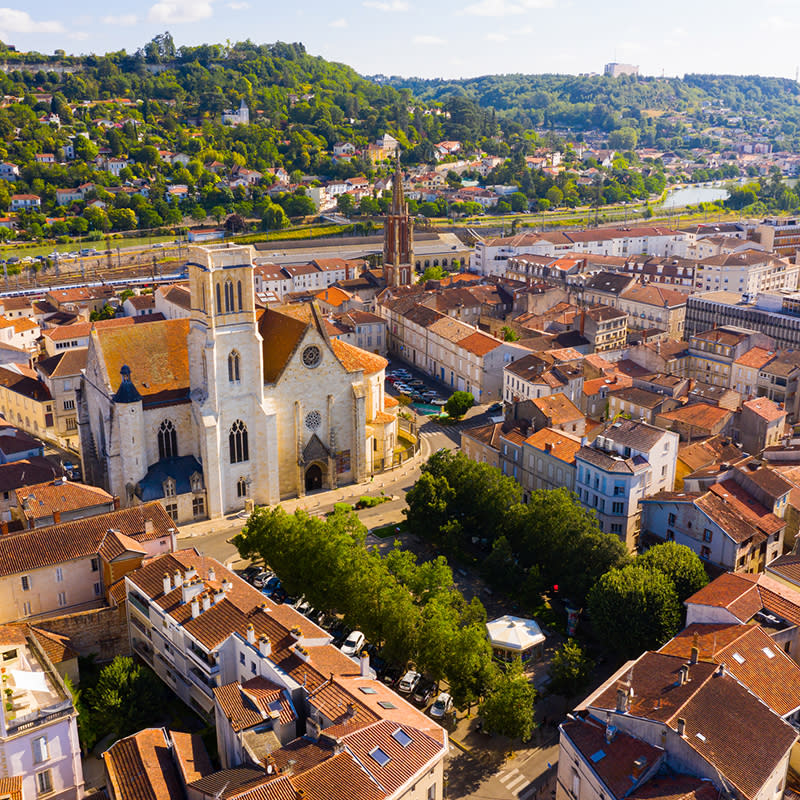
x,y
190,573
178,578
251,634
195,608
639,767
191,588
583,320
264,646
148,526
695,655
622,701
548,447
206,601
683,675
173,540
56,517
218,596
167,583
116,503
681,727
366,672
212,574
4,527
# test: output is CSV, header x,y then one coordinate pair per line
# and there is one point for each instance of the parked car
x,y
494,408
426,688
408,682
260,578
248,573
442,706
353,644
391,675
438,402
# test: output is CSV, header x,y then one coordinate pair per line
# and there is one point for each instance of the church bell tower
x,y
398,237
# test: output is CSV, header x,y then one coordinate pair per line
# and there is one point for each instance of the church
x,y
236,403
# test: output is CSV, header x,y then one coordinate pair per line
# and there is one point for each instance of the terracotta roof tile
x,y
191,756
735,591
561,446
558,408
60,496
354,359
11,787
479,344
755,357
140,767
766,409
247,704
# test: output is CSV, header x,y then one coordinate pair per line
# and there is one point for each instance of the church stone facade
x,y
237,402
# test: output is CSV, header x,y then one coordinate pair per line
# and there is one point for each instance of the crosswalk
x,y
513,780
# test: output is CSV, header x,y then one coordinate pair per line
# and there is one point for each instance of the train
x,y
144,282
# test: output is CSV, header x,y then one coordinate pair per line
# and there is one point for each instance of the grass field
x,y
390,531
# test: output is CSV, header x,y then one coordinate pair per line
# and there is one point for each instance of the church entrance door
x,y
313,478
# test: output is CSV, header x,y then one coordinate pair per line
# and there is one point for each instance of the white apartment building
x,y
626,462
748,272
38,722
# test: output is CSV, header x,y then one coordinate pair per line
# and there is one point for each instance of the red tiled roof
x,y
44,499
140,767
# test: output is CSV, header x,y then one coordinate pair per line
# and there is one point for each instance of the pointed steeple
x,y
398,195
398,237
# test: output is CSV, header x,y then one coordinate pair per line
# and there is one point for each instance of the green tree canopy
x,y
679,563
569,669
509,709
634,609
459,403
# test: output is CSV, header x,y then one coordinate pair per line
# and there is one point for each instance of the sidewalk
x,y
323,501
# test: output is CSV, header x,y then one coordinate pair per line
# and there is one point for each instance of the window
x,y
98,589
62,598
169,488
233,367
40,753
707,534
198,507
670,535
663,471
237,441
95,564
69,405
229,296
617,507
241,488
671,519
705,552
59,574
167,440
26,609
239,293
576,783
380,757
253,667
431,792
616,528
44,782
26,583
219,300
71,424
241,658
172,510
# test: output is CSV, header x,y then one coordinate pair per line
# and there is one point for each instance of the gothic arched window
x,y
237,440
241,488
167,440
233,367
239,293
219,300
229,297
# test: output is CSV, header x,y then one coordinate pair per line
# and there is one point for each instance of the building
x,y
269,675
775,314
626,462
68,567
761,424
664,726
746,272
262,404
61,374
605,327
736,525
39,748
482,443
361,329
713,352
543,374
614,69
398,238
781,235
549,459
52,502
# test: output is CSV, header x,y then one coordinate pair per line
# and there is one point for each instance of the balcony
x,y
139,604
206,684
206,661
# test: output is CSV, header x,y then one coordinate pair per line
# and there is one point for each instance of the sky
x,y
441,38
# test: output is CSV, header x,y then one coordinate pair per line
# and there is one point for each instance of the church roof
x,y
151,486
354,358
157,355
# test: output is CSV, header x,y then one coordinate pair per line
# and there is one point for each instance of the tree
x,y
235,223
275,218
122,219
433,274
569,669
345,204
679,563
106,312
459,403
509,709
509,334
471,672
555,196
623,138
123,699
218,212
634,609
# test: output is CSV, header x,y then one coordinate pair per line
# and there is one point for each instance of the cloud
x,y
427,39
121,19
338,23
238,6
13,20
387,5
505,8
497,37
79,36
175,11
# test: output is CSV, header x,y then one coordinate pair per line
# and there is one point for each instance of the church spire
x,y
398,237
398,195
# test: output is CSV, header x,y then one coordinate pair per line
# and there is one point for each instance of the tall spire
x,y
398,195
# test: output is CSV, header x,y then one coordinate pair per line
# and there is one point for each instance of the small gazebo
x,y
515,637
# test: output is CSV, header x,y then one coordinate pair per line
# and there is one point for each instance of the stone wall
x,y
102,631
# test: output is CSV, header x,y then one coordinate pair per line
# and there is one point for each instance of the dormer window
x,y
169,488
196,482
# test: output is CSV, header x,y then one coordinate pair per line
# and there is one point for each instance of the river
x,y
692,195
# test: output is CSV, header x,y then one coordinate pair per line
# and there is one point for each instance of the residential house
x,y
549,458
16,474
8,172
746,272
712,354
53,502
540,375
761,424
626,462
636,403
25,202
172,301
360,328
139,305
61,374
68,566
25,401
482,443
696,421
556,411
745,370
39,749
605,327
